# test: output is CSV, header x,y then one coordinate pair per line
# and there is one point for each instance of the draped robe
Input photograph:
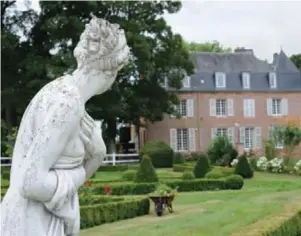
x,y
59,216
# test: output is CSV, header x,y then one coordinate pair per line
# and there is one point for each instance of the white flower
x,y
234,162
262,163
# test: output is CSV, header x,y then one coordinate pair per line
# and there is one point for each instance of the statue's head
x,y
102,46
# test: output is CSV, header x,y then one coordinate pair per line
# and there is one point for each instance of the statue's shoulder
x,y
63,98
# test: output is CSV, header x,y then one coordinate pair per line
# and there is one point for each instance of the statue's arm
x,y
95,146
39,182
92,163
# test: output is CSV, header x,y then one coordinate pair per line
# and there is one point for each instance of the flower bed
x,y
97,214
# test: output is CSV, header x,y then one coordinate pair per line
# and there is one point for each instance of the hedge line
x,y
145,188
287,223
98,214
117,168
182,168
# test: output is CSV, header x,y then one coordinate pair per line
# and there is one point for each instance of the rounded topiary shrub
x,y
243,168
202,167
178,159
234,182
188,175
214,175
160,153
146,172
129,175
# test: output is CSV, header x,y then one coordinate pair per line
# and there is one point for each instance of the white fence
x,y
113,159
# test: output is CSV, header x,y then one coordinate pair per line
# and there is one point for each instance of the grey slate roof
x,y
233,64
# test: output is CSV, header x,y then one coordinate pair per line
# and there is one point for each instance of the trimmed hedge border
x,y
98,214
111,168
182,168
287,223
127,188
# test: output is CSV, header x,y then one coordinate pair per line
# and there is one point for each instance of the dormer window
x,y
272,80
186,82
220,80
246,80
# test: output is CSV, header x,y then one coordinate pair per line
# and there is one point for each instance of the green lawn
x,y
217,213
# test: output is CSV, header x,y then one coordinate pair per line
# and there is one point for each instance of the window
x,y
249,107
220,80
249,138
276,106
273,136
221,132
246,80
272,80
226,132
221,107
186,82
182,140
182,108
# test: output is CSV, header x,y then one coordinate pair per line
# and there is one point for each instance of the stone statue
x,y
58,145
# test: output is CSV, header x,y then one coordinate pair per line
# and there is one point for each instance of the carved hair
x,y
113,50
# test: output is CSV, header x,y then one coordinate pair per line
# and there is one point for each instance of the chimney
x,y
244,51
275,57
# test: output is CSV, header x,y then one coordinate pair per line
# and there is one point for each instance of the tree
x,y
202,167
157,53
214,46
14,86
146,171
296,59
243,168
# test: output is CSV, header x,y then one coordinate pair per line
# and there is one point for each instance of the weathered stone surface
x,y
58,145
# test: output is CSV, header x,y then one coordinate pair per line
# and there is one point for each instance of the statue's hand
x,y
92,137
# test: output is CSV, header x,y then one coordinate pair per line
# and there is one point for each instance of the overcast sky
x,y
264,26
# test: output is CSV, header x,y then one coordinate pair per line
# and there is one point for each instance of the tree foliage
x,y
243,167
296,59
214,46
47,53
146,171
202,167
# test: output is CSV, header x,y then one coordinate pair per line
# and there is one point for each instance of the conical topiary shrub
x,y
243,168
202,167
146,172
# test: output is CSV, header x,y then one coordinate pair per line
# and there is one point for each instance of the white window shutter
x,y
230,134
284,107
212,107
191,139
269,106
242,135
257,140
213,133
230,107
173,139
190,108
188,81
246,107
253,110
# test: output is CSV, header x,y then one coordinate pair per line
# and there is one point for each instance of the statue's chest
x,y
75,146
